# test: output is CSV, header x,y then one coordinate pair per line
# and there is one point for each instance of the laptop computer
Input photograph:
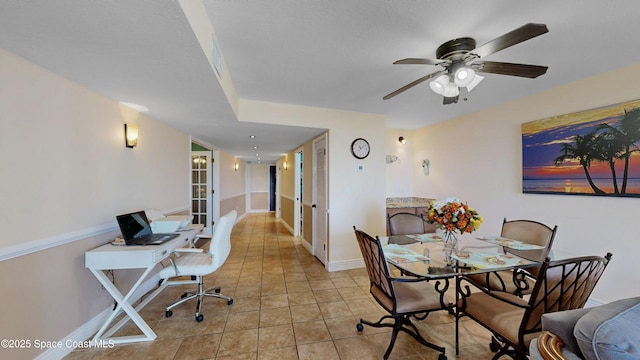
x,y
136,230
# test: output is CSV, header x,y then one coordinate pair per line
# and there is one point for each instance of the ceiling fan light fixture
x,y
476,80
451,90
439,85
464,76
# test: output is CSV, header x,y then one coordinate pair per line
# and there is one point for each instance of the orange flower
x,y
453,215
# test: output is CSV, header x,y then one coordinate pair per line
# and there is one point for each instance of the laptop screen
x,y
134,225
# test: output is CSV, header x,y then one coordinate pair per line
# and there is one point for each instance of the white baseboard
x,y
80,334
345,265
88,329
307,246
286,226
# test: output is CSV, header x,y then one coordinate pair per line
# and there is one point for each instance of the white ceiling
x,y
332,53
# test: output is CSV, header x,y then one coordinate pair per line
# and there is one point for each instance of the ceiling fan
x,y
461,60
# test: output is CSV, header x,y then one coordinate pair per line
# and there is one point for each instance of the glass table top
x,y
425,255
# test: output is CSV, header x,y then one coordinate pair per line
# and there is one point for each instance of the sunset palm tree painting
x,y
593,152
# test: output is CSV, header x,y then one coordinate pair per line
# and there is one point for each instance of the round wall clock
x,y
360,148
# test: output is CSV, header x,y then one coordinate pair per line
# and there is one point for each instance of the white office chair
x,y
194,262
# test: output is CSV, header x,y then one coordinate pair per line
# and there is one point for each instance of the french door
x,y
201,189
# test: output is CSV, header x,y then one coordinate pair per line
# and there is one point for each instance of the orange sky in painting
x,y
572,169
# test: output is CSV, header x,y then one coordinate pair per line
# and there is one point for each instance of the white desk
x,y
110,257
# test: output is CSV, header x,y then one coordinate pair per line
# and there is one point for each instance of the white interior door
x,y
320,207
201,189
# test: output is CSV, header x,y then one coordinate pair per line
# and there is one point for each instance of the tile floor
x,y
286,306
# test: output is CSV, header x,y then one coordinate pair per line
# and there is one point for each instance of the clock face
x,y
360,148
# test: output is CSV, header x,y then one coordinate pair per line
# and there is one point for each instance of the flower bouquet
x,y
452,215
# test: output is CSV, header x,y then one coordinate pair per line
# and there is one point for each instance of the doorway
x,y
272,188
201,192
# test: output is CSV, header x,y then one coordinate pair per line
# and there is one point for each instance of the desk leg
x,y
124,305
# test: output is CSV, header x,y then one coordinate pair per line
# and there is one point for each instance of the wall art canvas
x,y
592,152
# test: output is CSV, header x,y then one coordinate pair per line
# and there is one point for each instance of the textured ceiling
x,y
332,53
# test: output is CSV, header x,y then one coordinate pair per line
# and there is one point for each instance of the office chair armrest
x,y
205,237
177,251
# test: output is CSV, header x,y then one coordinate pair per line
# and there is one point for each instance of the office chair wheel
x,y
217,290
359,327
230,301
199,318
168,313
184,295
194,278
442,357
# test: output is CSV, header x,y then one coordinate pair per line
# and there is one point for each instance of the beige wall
x,y
260,201
258,177
237,203
287,206
66,175
400,174
287,188
485,169
232,184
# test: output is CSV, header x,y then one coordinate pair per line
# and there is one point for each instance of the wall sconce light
x,y
402,140
236,166
285,166
425,166
131,135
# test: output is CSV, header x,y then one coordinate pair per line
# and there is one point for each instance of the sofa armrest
x,y
561,323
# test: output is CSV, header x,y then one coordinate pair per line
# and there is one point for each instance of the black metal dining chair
x,y
405,224
514,322
402,297
519,282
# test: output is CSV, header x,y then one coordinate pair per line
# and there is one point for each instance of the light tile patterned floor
x,y
286,306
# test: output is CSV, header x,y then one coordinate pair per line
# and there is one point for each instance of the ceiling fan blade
x,y
514,37
412,84
419,61
503,68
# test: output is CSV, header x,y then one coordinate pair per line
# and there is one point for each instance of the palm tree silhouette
x,y
608,149
582,149
626,134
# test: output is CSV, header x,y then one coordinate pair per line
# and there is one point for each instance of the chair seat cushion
x,y
501,317
411,297
197,264
610,331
